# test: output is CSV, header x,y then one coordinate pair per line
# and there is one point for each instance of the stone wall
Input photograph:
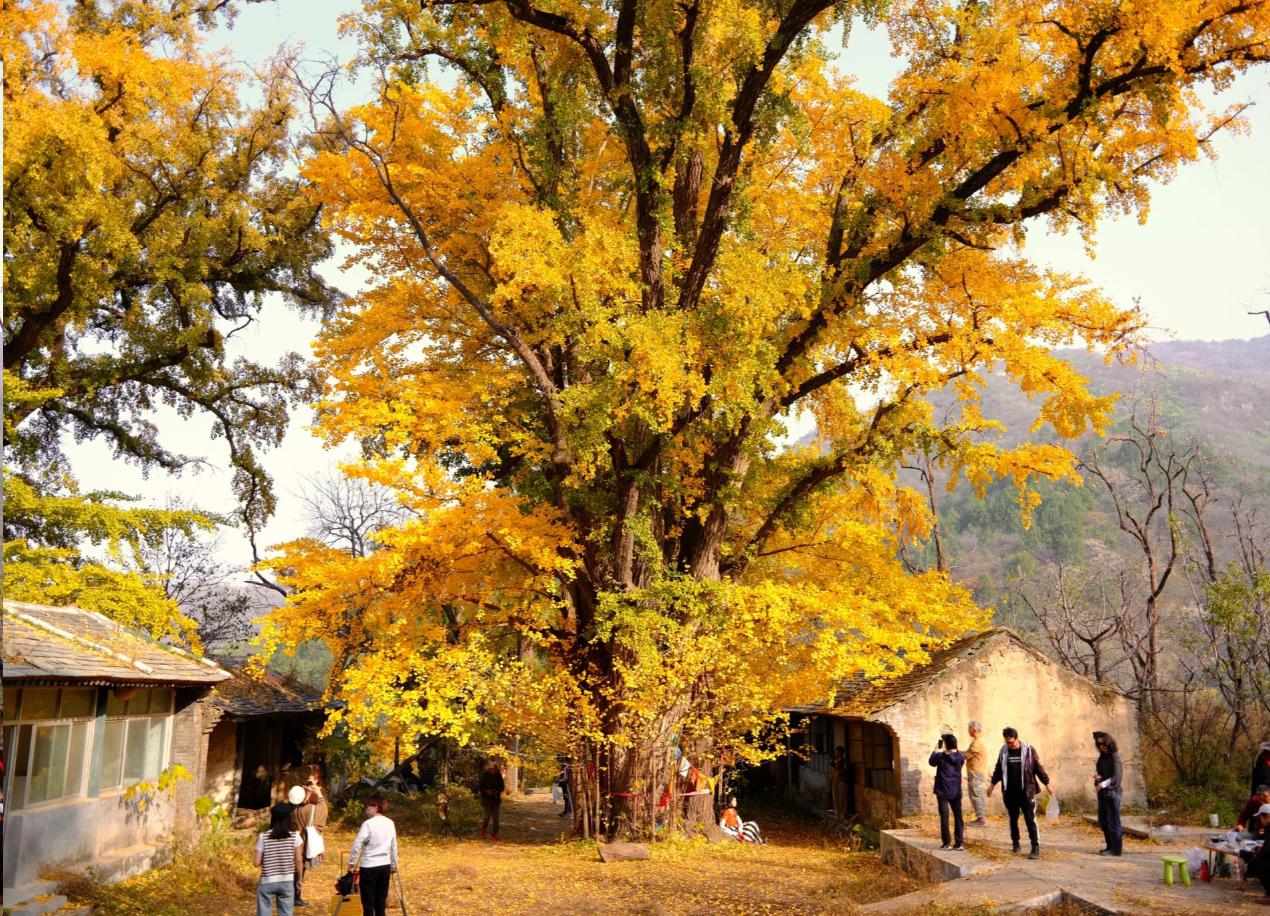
x,y
78,832
221,779
1053,709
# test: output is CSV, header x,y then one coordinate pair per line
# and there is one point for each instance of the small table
x,y
1221,849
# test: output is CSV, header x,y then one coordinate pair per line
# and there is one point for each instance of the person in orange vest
x,y
730,823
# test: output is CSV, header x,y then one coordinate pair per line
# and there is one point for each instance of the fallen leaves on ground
x,y
534,869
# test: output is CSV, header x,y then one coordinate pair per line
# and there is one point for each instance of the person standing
x,y
491,788
279,856
295,799
563,782
1018,769
314,814
838,780
374,855
948,761
976,775
1108,781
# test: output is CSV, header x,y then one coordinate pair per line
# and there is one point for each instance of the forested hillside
x,y
1149,572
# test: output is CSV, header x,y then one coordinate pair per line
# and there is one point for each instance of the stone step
x,y
131,861
16,895
1006,891
38,906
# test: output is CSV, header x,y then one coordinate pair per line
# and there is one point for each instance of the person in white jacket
x,y
375,852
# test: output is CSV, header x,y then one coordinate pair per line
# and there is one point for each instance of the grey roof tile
x,y
67,643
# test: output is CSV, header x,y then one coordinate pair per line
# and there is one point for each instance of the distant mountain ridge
x,y
1214,391
1246,358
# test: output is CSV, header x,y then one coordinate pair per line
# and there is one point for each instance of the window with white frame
x,y
47,743
135,743
49,733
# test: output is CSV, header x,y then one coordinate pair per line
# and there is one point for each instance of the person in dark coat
x,y
1245,822
491,788
1108,783
1260,768
948,761
1018,769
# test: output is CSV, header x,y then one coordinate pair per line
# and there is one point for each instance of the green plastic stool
x,y
1180,862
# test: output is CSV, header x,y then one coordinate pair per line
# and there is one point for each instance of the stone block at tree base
x,y
624,852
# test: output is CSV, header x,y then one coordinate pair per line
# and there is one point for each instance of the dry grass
x,y
534,870
206,878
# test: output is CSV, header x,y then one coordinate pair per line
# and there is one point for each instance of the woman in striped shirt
x,y
278,853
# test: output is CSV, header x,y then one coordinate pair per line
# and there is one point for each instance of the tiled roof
x,y
247,695
861,697
66,643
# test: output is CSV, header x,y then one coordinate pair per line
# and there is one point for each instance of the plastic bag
x,y
1051,808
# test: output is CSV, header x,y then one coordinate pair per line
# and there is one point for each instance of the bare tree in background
x,y
1144,472
1231,649
1081,608
346,512
194,576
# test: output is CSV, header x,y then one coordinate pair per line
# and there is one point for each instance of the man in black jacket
x,y
1018,769
948,761
491,788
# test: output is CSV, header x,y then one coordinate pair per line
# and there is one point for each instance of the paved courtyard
x,y
1069,869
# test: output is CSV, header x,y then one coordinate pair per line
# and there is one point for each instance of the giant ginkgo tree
x,y
621,249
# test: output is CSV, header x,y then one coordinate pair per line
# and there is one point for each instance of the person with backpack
x,y
948,761
491,787
1018,769
279,856
374,856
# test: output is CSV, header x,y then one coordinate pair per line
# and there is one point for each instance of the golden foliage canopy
x,y
623,250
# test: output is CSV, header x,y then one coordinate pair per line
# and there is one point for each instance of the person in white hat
x,y
295,798
1259,861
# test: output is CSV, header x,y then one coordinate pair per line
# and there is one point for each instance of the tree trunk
x,y
645,791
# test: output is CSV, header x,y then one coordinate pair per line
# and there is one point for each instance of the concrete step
x,y
1007,891
16,895
38,906
1138,827
921,857
131,861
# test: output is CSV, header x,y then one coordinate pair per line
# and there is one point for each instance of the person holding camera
x,y
948,761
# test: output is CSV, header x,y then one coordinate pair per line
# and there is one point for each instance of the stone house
x,y
890,727
258,743
93,710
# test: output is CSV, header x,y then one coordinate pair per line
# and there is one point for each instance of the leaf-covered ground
x,y
532,869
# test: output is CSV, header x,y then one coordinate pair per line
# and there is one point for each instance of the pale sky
x,y
1197,266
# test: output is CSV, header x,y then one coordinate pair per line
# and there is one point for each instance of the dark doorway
x,y
259,743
